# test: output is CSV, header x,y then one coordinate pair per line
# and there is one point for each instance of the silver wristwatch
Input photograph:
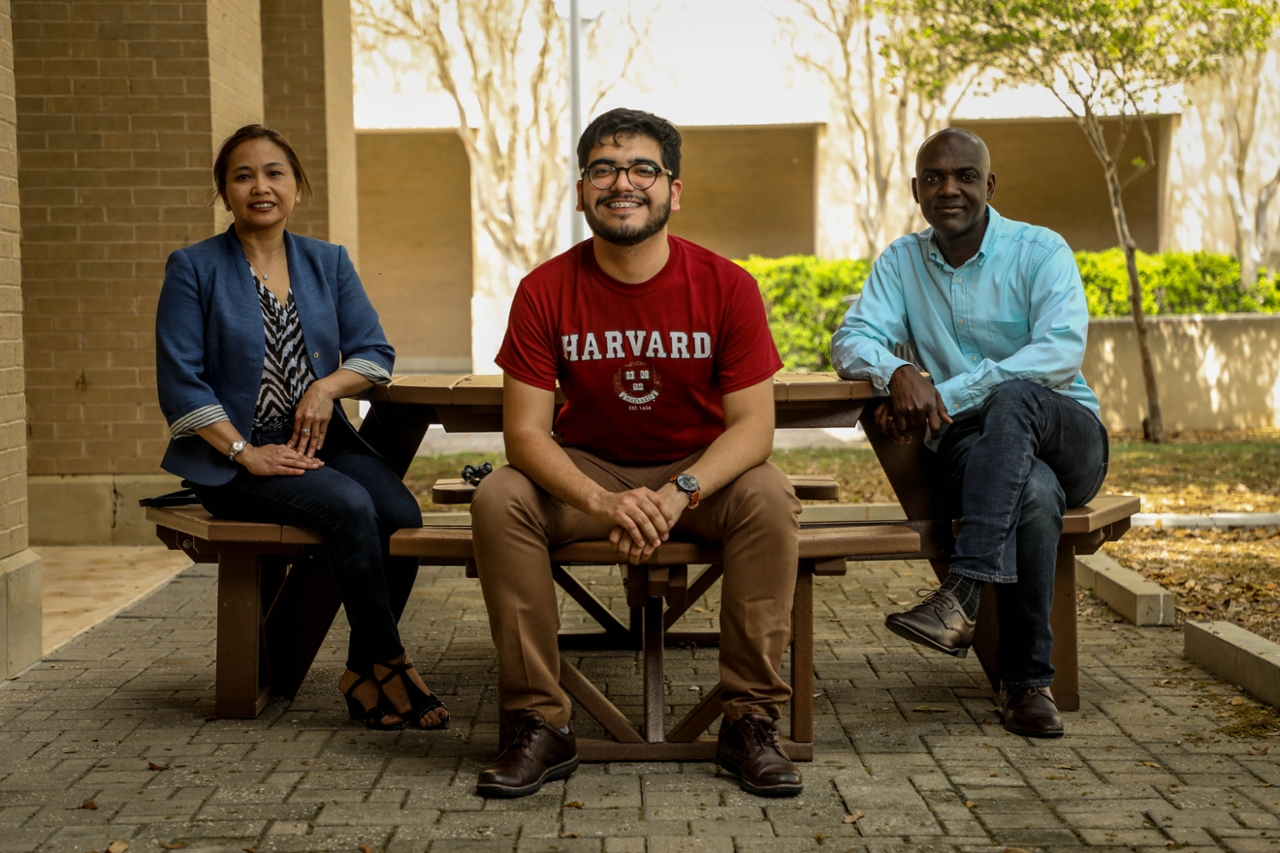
x,y
236,446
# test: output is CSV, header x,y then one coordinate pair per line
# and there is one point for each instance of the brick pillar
x,y
119,107
20,604
306,69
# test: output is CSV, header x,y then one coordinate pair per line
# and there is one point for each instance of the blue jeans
x,y
356,502
1032,453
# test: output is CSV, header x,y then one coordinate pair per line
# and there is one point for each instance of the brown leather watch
x,y
688,484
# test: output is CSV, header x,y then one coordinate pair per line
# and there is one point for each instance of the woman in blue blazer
x,y
258,333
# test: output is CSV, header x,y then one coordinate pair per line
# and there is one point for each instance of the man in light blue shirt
x,y
996,311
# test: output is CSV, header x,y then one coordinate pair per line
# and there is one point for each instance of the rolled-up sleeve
x,y
186,398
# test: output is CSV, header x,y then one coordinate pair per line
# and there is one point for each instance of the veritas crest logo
x,y
637,383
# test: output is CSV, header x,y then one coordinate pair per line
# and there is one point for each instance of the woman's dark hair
x,y
256,131
624,122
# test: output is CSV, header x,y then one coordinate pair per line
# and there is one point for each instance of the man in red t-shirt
x,y
663,352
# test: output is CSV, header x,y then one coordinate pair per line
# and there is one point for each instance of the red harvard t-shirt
x,y
642,366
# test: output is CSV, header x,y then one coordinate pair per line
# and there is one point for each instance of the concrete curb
x,y
1219,520
1237,656
1142,602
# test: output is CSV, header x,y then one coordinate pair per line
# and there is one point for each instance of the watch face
x,y
687,483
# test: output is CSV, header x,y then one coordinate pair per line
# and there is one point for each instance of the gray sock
x,y
968,590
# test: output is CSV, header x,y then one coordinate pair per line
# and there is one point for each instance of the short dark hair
x,y
623,122
256,131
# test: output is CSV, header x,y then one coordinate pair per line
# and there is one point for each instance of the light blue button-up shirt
x,y
1015,310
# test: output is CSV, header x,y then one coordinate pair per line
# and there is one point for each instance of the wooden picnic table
x,y
276,604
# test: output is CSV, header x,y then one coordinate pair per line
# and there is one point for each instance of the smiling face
x,y
622,214
953,183
261,187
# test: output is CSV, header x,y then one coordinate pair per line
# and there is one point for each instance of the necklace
x,y
265,275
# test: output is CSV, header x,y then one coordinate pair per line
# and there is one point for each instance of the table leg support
x,y
1062,619
802,656
654,681
240,691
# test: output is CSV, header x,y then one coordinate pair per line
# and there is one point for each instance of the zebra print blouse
x,y
286,370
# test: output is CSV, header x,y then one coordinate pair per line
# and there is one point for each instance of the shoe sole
x,y
771,791
504,792
1039,734
919,639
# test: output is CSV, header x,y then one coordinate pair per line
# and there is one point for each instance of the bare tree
x,y
504,64
890,88
1243,80
1101,61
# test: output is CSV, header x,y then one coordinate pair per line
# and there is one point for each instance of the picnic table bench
x,y
276,602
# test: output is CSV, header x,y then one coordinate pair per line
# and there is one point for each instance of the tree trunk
x,y
1153,423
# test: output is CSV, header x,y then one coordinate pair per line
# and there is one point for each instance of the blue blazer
x,y
210,341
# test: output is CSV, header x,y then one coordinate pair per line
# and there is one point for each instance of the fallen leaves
x,y
88,804
1260,750
925,709
155,768
573,804
118,846
855,817
365,848
178,845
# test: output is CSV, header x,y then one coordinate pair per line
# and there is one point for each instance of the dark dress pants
x,y
356,502
1009,471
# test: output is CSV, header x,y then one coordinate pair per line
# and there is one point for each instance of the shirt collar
x,y
994,224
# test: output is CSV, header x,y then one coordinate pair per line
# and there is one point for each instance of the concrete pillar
x,y
20,608
306,51
119,109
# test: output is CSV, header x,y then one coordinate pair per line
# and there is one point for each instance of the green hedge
x,y
805,296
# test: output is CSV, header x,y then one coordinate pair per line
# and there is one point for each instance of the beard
x,y
629,234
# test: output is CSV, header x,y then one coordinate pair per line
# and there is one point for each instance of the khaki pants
x,y
754,518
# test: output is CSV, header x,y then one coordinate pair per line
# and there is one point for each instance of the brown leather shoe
x,y
536,753
749,750
1030,711
938,622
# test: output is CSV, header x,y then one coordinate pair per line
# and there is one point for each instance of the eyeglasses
x,y
641,175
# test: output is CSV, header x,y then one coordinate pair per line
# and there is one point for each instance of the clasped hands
x,y
914,403
298,454
642,519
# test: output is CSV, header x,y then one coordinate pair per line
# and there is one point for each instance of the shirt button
x,y
959,280
961,322
973,358
315,355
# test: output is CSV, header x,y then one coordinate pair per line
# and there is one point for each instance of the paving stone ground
x,y
111,740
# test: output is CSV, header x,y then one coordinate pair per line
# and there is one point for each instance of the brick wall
x,y
13,440
115,116
307,97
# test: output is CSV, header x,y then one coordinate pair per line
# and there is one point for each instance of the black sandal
x,y
420,703
371,717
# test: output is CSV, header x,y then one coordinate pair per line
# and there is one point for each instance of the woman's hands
x,y
270,460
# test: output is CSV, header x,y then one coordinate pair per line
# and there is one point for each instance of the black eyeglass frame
x,y
586,173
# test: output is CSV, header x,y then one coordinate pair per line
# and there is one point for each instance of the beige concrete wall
x,y
119,106
308,90
1047,174
415,226
749,190
1213,372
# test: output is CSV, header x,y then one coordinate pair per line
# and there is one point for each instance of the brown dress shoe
x,y
938,622
1030,711
749,750
536,753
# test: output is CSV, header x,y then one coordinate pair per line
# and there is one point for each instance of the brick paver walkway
x,y
110,741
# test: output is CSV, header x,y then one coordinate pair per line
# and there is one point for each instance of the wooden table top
x,y
435,389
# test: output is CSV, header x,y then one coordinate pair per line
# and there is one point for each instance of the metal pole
x,y
575,116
